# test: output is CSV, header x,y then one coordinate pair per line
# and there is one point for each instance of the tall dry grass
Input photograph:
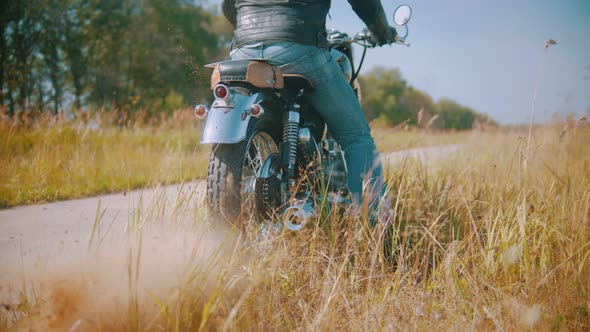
x,y
46,158
497,238
396,139
494,238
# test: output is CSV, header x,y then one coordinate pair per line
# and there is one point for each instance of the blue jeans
x,y
333,97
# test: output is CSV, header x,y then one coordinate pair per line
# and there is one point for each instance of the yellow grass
x,y
50,159
395,139
496,237
46,159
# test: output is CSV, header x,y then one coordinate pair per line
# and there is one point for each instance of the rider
x,y
292,34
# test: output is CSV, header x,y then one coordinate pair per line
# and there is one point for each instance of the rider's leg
x,y
336,102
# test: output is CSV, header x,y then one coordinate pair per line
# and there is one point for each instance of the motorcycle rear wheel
x,y
232,175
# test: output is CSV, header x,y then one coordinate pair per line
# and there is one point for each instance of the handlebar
x,y
401,41
365,38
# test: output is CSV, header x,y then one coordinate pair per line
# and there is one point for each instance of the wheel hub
x,y
268,187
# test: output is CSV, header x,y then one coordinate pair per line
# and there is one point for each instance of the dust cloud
x,y
135,281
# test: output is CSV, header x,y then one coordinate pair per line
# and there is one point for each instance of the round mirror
x,y
402,15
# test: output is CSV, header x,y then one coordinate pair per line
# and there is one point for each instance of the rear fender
x,y
227,121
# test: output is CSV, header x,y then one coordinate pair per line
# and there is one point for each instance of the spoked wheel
x,y
232,176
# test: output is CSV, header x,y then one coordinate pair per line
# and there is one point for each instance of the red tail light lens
x,y
256,110
220,91
201,111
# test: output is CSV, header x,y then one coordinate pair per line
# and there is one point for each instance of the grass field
x,y
48,159
496,237
54,159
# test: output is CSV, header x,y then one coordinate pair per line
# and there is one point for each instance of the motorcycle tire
x,y
232,174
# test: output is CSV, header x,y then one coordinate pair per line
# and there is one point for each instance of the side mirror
x,y
402,15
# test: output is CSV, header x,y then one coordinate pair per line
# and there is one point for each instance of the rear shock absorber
x,y
290,139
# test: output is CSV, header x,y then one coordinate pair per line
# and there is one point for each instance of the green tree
x,y
381,90
173,46
108,26
120,53
385,94
51,19
455,116
21,37
220,27
74,46
415,105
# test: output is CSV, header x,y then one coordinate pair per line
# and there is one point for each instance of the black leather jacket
x,y
301,21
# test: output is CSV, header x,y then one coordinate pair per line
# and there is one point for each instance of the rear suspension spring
x,y
291,136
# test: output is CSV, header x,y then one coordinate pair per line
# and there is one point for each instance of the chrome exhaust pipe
x,y
296,216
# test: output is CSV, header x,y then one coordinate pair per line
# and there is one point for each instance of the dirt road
x,y
40,233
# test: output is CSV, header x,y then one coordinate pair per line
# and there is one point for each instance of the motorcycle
x,y
273,160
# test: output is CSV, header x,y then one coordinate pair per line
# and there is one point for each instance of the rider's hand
x,y
387,37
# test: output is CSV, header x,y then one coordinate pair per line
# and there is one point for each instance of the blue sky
x,y
489,54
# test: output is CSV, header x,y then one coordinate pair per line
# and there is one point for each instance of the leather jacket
x,y
300,21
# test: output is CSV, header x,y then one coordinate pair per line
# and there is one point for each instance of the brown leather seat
x,y
259,73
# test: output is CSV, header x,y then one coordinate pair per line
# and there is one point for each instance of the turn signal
x,y
256,110
201,111
220,91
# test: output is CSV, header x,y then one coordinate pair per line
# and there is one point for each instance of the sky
x,y
489,54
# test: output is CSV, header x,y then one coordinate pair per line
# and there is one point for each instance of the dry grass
x,y
396,139
494,238
45,158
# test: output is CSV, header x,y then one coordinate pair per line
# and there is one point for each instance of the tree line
x,y
108,53
394,101
132,54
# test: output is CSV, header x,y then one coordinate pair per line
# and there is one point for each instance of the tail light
x,y
201,111
256,110
221,91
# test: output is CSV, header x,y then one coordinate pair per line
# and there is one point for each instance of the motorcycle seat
x,y
259,73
